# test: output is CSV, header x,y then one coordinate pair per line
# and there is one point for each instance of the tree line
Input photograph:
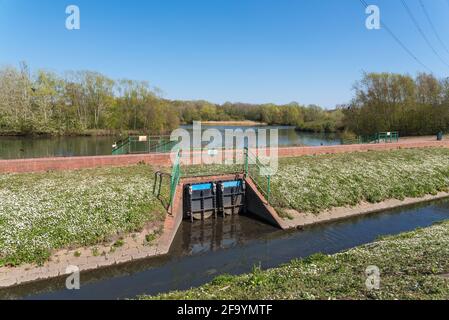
x,y
394,102
47,103
82,102
305,118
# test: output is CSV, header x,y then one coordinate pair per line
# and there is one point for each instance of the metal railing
x,y
259,173
380,137
387,137
143,144
252,167
159,183
121,147
175,177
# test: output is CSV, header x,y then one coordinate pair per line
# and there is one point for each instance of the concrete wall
x,y
257,205
163,159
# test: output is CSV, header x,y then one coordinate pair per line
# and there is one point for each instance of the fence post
x,y
246,162
175,177
268,188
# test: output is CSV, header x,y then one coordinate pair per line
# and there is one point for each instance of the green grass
x,y
410,264
312,184
41,212
315,183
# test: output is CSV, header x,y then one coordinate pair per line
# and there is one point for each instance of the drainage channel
x,y
206,249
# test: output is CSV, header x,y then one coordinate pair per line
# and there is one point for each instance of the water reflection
x,y
287,135
41,147
44,147
202,251
213,235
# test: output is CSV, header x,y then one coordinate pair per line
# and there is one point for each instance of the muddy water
x,y
203,251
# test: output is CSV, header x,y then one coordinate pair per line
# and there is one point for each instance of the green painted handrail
x,y
264,185
380,137
175,177
122,147
152,144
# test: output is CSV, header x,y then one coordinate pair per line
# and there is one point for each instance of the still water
x,y
42,147
202,251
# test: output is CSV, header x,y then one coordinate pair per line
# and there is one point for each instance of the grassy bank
x,y
316,183
411,265
312,184
40,212
46,211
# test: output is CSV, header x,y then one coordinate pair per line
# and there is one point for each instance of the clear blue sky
x,y
309,51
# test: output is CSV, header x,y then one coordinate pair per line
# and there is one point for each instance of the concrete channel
x,y
232,245
251,203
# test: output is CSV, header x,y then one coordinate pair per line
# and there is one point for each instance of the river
x,y
43,147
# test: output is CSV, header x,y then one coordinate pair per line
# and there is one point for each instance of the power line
x,y
426,13
415,22
385,26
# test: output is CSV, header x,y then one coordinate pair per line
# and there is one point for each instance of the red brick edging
x,y
163,159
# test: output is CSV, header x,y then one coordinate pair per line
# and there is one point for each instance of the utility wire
x,y
385,26
415,22
426,13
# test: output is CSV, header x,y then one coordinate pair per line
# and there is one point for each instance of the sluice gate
x,y
194,197
205,200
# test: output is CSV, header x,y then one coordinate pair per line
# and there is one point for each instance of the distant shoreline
x,y
243,123
87,133
111,133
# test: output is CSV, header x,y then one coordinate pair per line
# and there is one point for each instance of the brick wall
x,y
161,159
71,163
